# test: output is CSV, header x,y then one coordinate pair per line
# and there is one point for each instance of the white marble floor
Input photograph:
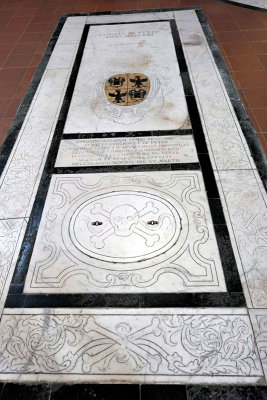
x,y
131,183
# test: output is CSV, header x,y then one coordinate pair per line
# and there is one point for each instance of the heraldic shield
x,y
127,89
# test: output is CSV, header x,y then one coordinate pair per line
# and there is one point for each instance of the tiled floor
x,y
26,26
122,261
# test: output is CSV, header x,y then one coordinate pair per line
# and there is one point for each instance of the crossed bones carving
x,y
125,220
122,344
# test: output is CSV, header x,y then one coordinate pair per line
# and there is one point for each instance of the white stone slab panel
x,y
63,56
11,235
259,325
23,170
136,346
227,145
140,48
72,30
233,242
133,17
127,151
248,213
126,232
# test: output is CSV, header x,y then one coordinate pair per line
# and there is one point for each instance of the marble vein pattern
x,y
127,151
113,50
11,235
254,3
21,176
248,214
259,325
137,345
161,220
227,145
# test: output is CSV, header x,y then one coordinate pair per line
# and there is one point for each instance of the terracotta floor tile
x,y
261,117
249,79
34,27
256,97
7,14
4,104
225,26
147,4
9,39
235,79
14,28
27,77
253,119
259,35
7,89
4,126
126,4
250,24
236,49
259,47
263,60
41,46
29,37
85,8
12,108
21,20
25,48
18,60
263,141
106,5
245,63
11,74
242,95
36,58
25,12
231,36
189,3
169,3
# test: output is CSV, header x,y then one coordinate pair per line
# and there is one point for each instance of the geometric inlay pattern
x,y
161,220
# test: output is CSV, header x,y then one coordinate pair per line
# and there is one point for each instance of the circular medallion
x,y
127,89
125,226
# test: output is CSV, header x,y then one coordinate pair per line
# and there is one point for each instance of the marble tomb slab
x,y
247,207
139,49
179,345
127,151
126,232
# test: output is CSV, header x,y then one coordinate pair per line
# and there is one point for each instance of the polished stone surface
x,y
140,346
127,151
113,50
154,217
174,223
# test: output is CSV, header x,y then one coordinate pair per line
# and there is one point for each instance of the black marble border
x,y
10,391
234,296
252,140
45,391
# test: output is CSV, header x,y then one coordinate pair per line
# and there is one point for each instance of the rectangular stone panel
x,y
179,345
125,82
126,232
127,151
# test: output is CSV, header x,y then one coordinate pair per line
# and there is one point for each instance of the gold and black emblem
x,y
127,89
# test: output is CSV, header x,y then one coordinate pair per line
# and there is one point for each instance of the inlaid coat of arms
x,y
127,89
126,97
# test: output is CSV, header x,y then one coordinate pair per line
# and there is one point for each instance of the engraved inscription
x,y
127,151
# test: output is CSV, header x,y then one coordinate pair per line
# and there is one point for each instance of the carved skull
x,y
124,218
